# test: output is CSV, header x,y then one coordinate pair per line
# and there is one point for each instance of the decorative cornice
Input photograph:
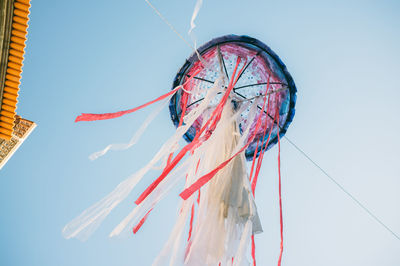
x,y
14,24
21,131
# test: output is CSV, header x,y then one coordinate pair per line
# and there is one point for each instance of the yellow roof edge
x,y
17,38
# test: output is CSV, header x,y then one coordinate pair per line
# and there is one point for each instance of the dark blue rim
x,y
189,135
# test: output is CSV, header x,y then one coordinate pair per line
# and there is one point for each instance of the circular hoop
x,y
261,64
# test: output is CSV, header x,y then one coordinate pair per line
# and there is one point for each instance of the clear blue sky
x,y
101,56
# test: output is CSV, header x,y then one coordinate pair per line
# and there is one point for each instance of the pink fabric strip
x,y
185,99
260,159
166,171
253,250
94,117
253,161
137,227
191,222
262,141
204,179
196,142
280,197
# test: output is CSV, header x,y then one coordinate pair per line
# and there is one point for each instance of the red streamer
x,y
253,250
184,103
137,227
204,179
185,99
280,197
262,142
259,162
197,141
207,177
165,172
94,117
191,222
253,162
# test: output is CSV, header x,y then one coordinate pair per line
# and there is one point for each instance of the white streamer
x,y
135,137
89,220
196,10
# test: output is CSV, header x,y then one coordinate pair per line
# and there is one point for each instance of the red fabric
x,y
253,162
94,117
165,172
280,197
253,250
137,227
259,162
261,155
169,158
258,167
204,179
254,181
185,99
198,198
192,210
196,142
216,114
197,166
184,103
191,222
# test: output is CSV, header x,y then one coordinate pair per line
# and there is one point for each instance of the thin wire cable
x,y
169,24
343,189
294,145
